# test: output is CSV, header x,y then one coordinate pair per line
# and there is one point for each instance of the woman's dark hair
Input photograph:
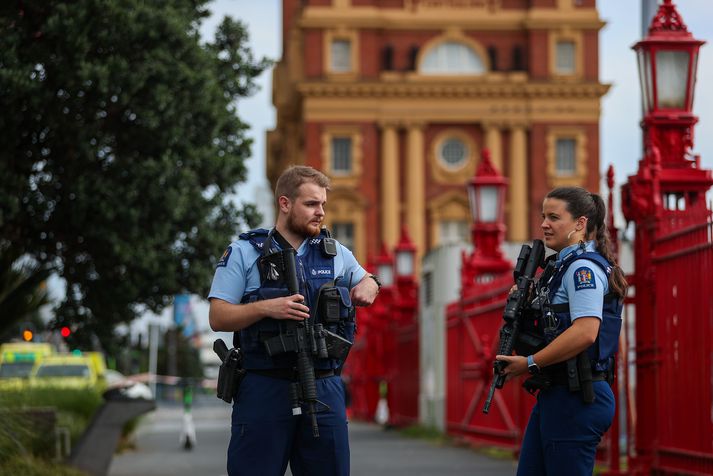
x,y
581,203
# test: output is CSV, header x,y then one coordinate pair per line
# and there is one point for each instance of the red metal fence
x,y
674,379
386,351
403,382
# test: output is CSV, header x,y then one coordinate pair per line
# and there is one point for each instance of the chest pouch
x,y
334,305
274,269
530,338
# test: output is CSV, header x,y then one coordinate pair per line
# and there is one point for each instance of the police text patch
x,y
321,272
223,261
584,279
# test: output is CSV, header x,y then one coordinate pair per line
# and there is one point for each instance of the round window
x,y
453,153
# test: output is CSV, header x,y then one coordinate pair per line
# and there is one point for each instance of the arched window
x,y
451,57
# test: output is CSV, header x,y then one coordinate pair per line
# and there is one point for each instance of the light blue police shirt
x,y
583,286
237,272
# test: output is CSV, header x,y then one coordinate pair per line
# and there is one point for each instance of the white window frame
x,y
565,57
452,58
566,166
339,228
347,144
341,55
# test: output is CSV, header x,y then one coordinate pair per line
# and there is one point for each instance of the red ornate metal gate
x,y
473,325
674,261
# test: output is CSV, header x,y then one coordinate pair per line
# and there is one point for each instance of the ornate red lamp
x,y
670,177
486,193
384,263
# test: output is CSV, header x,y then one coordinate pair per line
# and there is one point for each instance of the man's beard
x,y
301,229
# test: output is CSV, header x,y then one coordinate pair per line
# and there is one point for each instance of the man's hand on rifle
x,y
288,307
516,365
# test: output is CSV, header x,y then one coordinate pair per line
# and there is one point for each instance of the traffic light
x,y
27,335
65,331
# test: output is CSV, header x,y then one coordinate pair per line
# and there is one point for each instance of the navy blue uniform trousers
x,y
265,436
563,432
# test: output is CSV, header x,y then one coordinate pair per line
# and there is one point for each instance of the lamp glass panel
x,y
404,263
693,78
386,274
645,79
649,82
473,201
671,78
488,203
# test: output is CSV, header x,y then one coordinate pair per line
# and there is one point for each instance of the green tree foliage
x,y
120,143
22,291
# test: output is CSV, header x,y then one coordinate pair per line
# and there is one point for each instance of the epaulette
x,y
256,237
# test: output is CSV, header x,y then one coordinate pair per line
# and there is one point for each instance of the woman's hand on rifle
x,y
516,365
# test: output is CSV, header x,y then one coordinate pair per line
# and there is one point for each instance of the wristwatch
x,y
376,280
532,367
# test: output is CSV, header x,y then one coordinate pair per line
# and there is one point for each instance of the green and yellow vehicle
x,y
70,371
17,359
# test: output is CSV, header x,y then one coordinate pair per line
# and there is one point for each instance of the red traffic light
x,y
65,331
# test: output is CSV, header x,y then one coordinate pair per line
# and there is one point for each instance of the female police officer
x,y
581,298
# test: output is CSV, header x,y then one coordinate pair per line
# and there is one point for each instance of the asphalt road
x,y
374,451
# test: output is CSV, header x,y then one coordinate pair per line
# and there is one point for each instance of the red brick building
x,y
396,99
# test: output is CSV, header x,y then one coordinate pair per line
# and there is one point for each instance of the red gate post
x,y
379,340
367,364
620,363
667,194
404,381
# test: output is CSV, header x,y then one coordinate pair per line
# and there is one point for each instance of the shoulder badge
x,y
584,279
223,261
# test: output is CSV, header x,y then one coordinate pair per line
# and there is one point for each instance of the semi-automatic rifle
x,y
530,259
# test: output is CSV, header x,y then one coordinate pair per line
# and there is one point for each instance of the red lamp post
x,y
669,178
486,193
405,253
384,263
381,311
406,297
667,194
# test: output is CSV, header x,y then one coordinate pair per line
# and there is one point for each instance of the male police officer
x,y
265,435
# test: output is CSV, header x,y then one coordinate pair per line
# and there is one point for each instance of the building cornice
x,y
439,18
530,90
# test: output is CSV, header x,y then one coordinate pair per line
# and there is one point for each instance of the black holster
x,y
584,368
536,383
579,376
230,373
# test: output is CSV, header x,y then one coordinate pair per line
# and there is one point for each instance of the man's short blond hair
x,y
294,176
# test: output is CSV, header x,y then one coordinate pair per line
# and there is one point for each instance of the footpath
x,y
374,451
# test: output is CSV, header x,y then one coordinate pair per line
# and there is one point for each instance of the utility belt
x,y
291,374
576,374
563,380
